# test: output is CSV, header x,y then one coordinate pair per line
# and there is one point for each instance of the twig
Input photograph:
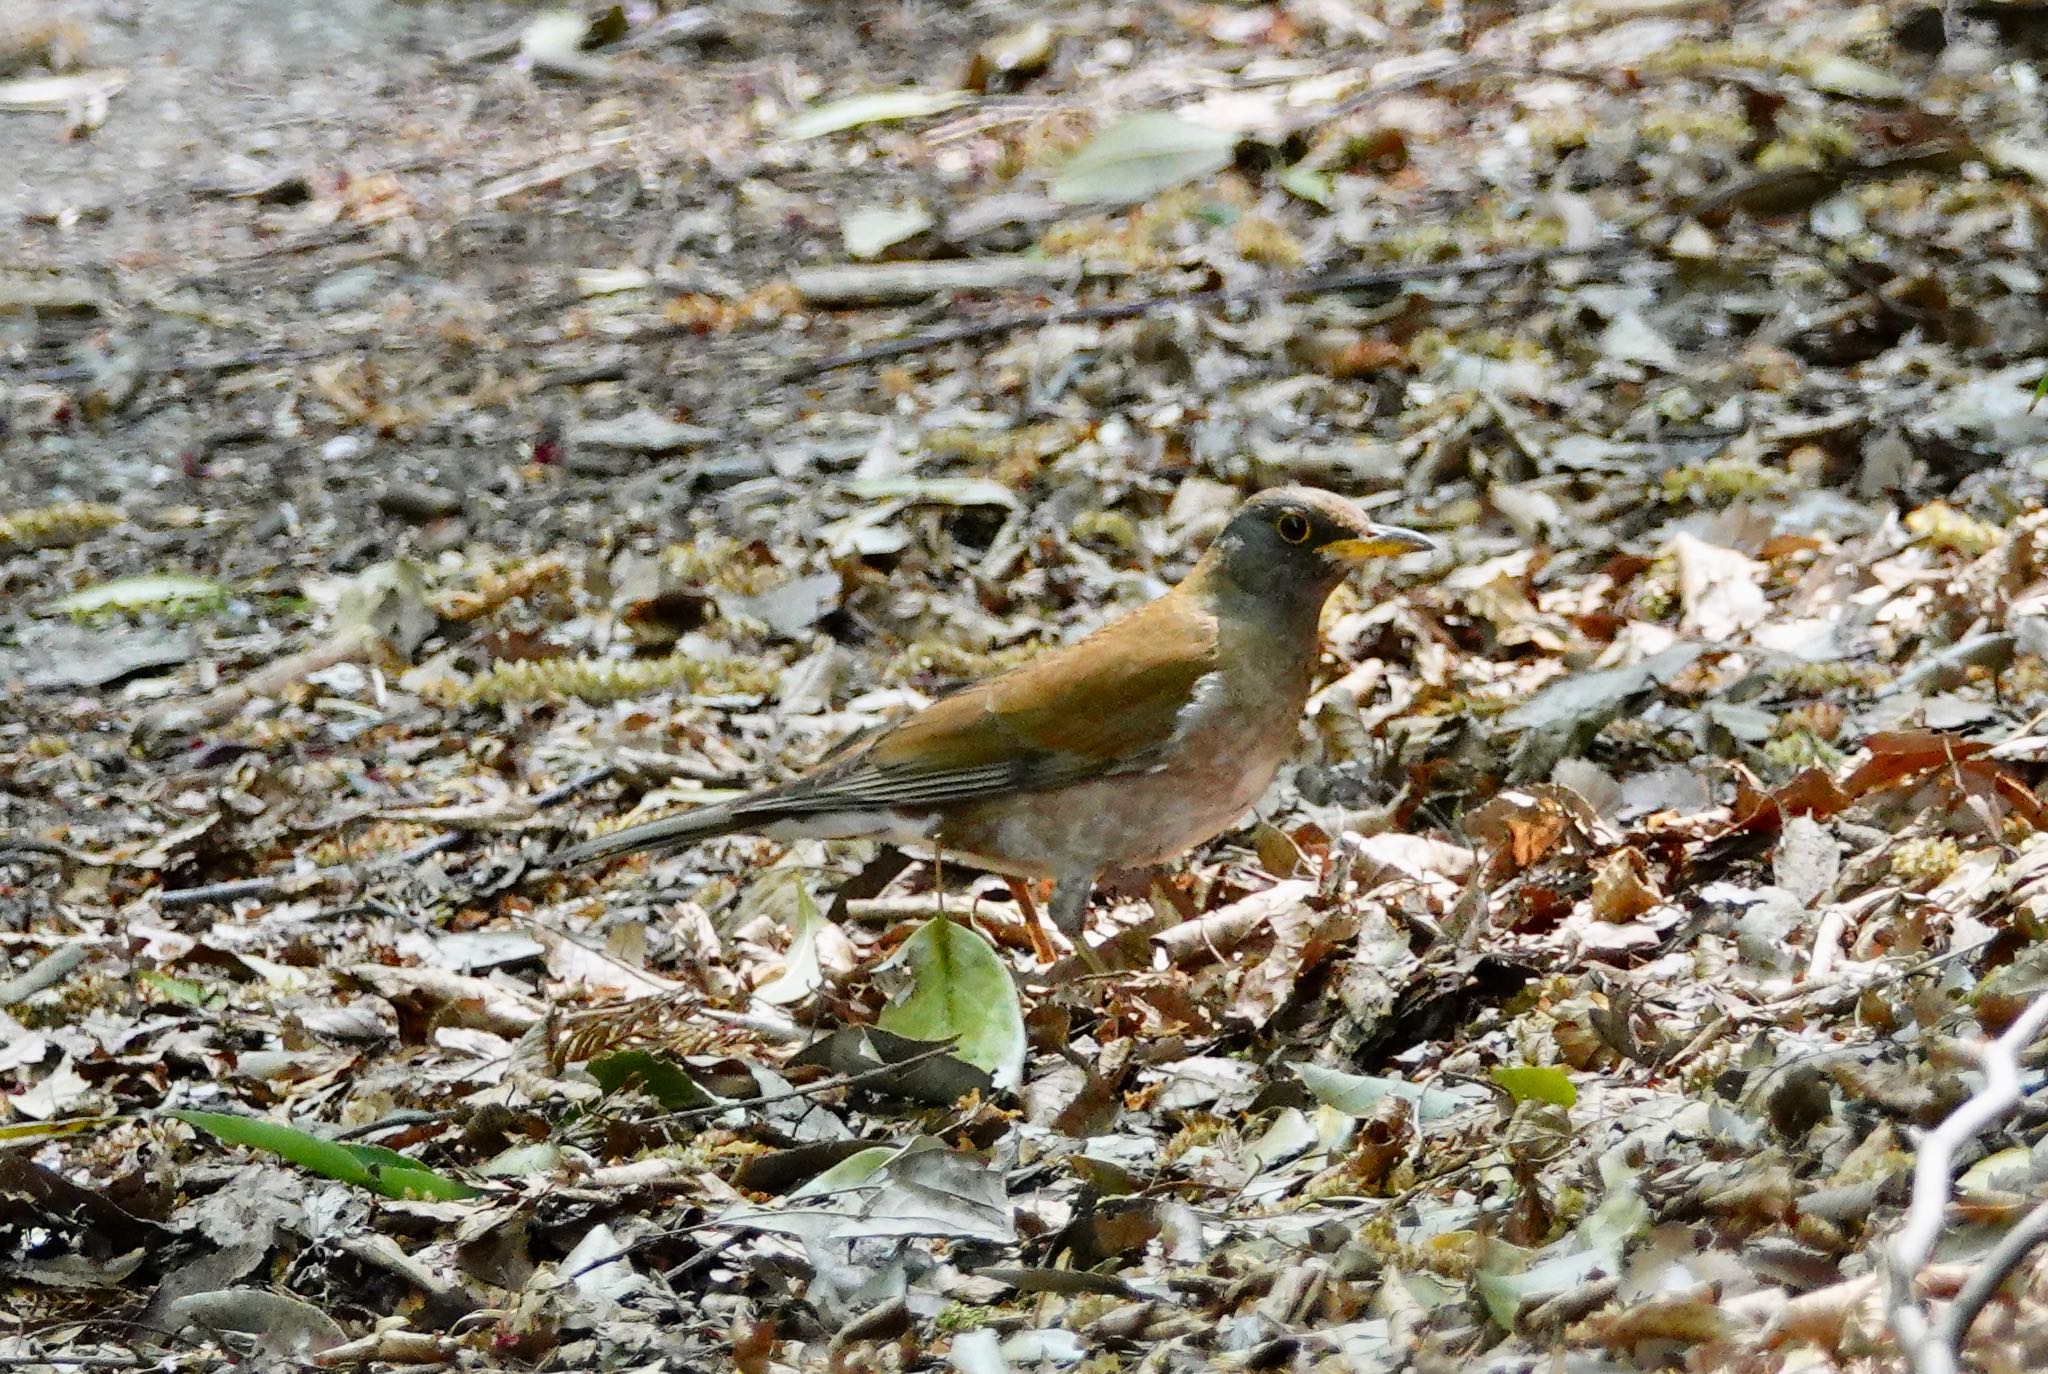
x,y
406,1116
46,972
1899,973
845,1080
179,898
21,847
1827,938
189,714
836,285
783,1031
1930,1349
1318,284
601,150
267,356
75,1361
118,1359
17,848
823,1085
1990,1276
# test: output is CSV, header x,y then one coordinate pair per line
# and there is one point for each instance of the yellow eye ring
x,y
1292,526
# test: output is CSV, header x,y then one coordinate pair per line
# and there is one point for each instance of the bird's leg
x,y
1070,914
1041,943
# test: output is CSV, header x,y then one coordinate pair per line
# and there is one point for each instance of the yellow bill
x,y
1385,541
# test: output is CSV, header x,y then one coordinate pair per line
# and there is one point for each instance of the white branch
x,y
1925,1346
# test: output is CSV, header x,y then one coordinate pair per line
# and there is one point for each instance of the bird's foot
x,y
1042,947
1070,913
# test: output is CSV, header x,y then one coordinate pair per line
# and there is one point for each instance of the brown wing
x,y
1108,704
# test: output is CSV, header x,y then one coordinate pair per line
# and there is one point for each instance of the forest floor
x,y
431,432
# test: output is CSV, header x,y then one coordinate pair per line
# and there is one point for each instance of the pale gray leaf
x,y
1808,859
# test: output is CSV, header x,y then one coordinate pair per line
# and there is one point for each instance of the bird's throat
x,y
1270,631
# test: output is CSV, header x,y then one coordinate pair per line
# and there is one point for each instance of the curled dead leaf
x,y
1623,888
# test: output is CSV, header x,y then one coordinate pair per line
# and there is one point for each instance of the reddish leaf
x,y
2013,792
1901,754
1812,793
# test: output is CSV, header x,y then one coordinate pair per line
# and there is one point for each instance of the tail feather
x,y
668,833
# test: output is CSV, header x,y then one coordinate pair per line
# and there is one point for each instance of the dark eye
x,y
1292,526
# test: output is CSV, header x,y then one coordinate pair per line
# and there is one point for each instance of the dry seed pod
x,y
55,527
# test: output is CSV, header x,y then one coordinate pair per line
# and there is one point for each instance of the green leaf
x,y
148,591
1537,1083
1504,1292
1306,183
183,991
1139,157
1607,1228
876,107
659,1077
850,1172
365,1166
1510,1276
959,988
801,975
1358,1094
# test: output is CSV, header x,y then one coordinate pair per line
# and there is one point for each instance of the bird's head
x,y
1295,544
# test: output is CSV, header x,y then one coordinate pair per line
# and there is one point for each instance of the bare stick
x,y
823,1085
837,285
1930,1349
1989,1276
47,972
179,897
237,888
844,1080
75,1361
1318,284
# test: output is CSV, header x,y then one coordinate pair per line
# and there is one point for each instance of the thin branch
x,y
15,847
846,1080
392,1121
114,1359
181,897
823,1085
209,893
1990,1276
1318,284
48,971
1930,1349
266,356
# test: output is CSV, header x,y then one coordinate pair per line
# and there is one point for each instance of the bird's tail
x,y
668,833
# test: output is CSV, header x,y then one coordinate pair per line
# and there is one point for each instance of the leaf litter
x,y
1656,865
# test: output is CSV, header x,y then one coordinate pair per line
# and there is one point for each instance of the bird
x,y
1121,750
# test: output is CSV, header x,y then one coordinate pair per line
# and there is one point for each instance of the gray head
x,y
1293,545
